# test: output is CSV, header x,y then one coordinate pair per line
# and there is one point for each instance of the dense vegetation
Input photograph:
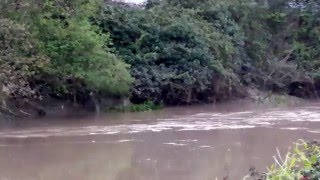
x,y
167,51
301,163
51,48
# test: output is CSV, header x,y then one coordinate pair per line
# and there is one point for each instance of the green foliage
x,y
176,54
302,163
232,43
145,106
19,60
51,48
77,49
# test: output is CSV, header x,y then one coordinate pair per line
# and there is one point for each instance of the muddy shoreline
x,y
51,108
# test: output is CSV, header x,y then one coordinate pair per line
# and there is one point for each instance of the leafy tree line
x,y
51,48
203,51
168,51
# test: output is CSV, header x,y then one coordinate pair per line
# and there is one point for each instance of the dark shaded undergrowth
x,y
99,55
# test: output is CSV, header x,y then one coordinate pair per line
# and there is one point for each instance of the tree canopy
x,y
170,51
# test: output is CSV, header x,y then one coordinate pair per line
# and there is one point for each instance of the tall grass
x,y
300,163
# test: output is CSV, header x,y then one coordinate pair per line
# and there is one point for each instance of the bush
x,y
19,60
176,55
171,51
303,162
145,106
77,49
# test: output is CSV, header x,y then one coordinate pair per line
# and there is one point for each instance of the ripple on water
x,y
196,122
175,144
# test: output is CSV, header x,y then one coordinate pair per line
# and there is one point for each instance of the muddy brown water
x,y
187,143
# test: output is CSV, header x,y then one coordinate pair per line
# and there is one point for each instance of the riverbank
x,y
101,55
53,108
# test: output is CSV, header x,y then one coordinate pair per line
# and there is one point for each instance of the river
x,y
204,142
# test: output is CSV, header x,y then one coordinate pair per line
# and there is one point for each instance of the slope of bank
x,y
99,55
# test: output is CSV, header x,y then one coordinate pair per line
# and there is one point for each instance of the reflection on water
x,y
189,143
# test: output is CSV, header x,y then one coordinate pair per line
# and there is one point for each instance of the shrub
x,y
142,107
19,60
176,55
303,162
77,49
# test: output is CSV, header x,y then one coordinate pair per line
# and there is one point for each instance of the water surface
x,y
184,143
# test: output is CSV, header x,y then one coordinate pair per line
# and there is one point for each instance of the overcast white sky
x,y
135,1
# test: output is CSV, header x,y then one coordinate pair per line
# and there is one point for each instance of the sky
x,y
135,1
